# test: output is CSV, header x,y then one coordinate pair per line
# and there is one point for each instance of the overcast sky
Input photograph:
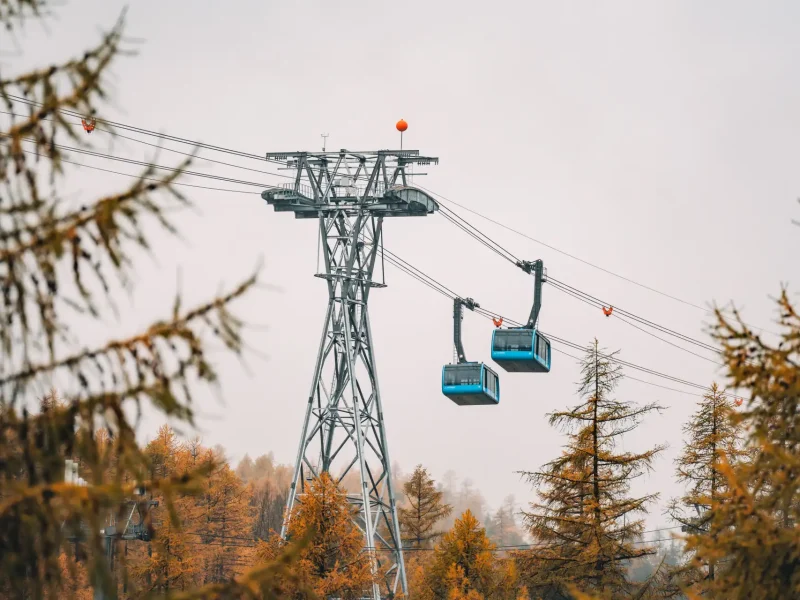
x,y
654,139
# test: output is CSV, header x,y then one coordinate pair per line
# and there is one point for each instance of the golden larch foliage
x,y
464,565
425,508
755,524
714,435
62,263
333,563
586,523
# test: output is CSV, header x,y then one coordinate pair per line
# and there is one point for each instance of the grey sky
x,y
656,139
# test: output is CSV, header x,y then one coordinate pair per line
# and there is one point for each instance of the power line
x,y
511,229
580,295
416,273
526,236
452,216
163,136
432,283
204,187
157,146
663,387
590,303
151,165
395,260
484,239
642,320
253,542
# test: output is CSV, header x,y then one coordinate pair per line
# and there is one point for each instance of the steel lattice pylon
x,y
350,193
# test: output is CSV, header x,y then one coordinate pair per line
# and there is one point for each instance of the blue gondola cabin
x,y
521,350
469,384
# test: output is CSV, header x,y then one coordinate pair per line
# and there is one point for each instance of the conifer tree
x,y
465,566
714,435
224,523
586,522
60,262
333,563
501,527
172,561
755,523
426,507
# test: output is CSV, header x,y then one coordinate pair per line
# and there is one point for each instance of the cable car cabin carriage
x,y
468,383
524,349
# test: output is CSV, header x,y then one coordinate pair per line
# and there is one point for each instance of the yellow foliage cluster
x,y
333,563
464,566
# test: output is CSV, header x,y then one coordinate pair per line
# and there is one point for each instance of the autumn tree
x,y
268,502
714,435
333,564
462,497
75,579
426,507
586,521
756,518
267,491
224,523
502,527
465,566
172,560
64,261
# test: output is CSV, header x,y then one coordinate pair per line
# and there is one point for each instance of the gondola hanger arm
x,y
535,268
458,303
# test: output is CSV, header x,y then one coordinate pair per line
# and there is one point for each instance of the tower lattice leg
x,y
343,428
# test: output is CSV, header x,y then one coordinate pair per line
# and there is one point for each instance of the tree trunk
x,y
714,469
596,460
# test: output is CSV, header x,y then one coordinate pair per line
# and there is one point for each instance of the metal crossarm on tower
x,y
350,193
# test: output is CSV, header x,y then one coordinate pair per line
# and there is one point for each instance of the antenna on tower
x,y
324,137
401,127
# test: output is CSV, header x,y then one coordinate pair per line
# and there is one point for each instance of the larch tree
x,y
225,524
172,561
502,527
267,492
62,262
586,523
332,564
756,519
714,437
76,584
268,504
425,509
465,566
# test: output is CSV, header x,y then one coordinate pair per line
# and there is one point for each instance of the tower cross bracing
x,y
350,194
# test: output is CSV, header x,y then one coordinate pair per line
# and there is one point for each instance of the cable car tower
x,y
350,194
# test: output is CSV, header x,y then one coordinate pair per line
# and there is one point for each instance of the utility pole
x,y
349,194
